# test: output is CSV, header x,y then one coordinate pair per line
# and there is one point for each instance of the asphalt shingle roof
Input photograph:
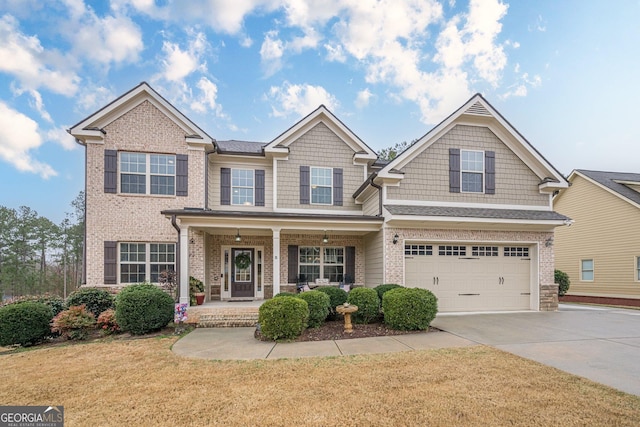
x,y
235,146
475,213
608,179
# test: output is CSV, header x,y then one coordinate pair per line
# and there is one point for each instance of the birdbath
x,y
346,309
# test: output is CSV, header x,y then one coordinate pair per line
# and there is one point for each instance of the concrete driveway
x,y
601,344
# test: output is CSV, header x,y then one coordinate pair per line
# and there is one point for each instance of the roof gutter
x,y
379,188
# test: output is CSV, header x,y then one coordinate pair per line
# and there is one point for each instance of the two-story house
x,y
465,211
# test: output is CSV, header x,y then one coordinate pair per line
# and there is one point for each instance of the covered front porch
x,y
246,256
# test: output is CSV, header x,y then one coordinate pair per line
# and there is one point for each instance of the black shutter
x,y
350,264
225,186
259,187
293,264
110,171
454,170
305,184
110,263
182,175
337,187
490,172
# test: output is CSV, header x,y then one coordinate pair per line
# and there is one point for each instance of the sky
x,y
563,73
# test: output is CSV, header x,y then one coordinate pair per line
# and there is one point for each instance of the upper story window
x,y
321,186
142,173
472,170
242,187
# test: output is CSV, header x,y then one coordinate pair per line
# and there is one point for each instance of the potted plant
x,y
196,291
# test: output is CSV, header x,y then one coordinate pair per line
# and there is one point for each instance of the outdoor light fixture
x,y
325,239
549,242
238,238
395,238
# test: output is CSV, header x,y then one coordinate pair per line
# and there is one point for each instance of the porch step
x,y
228,318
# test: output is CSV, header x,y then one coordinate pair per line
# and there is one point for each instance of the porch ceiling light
x,y
325,239
238,237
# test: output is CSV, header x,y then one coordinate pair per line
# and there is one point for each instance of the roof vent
x,y
478,109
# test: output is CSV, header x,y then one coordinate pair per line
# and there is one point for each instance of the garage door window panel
x,y
516,251
586,270
489,251
418,249
446,250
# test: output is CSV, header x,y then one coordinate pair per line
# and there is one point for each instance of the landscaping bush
x,y
195,286
107,322
337,297
409,308
368,304
143,308
55,302
381,289
285,294
95,300
562,279
318,303
283,318
74,323
24,323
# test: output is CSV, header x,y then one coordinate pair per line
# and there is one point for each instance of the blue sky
x,y
564,73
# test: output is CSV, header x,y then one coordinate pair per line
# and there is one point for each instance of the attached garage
x,y
471,277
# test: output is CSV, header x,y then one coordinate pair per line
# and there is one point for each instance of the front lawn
x,y
141,382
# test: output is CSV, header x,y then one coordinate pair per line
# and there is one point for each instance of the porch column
x,y
276,260
184,265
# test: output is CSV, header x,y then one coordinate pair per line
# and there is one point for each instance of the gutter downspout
x,y
175,225
379,188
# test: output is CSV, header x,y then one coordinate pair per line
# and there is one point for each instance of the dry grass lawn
x,y
142,382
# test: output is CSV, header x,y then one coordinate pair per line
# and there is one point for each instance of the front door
x,y
242,280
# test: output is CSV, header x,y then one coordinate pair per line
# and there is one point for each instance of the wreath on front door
x,y
242,261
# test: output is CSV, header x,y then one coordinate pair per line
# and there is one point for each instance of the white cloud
x,y
18,137
61,137
363,98
92,97
271,52
207,99
299,99
24,58
335,53
521,88
179,63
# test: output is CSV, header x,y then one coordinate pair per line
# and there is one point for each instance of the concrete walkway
x,y
239,344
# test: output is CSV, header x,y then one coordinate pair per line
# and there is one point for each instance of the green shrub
x,y
381,289
318,303
409,308
283,318
337,297
107,322
24,323
95,300
368,304
285,294
562,279
143,308
195,286
74,323
54,301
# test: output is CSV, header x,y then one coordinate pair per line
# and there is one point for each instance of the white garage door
x,y
468,277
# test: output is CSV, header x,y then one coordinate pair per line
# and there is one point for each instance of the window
x,y
586,270
140,262
147,173
472,170
242,187
484,251
315,263
452,250
638,268
418,249
321,186
516,251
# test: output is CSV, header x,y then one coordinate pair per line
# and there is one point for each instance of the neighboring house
x,y
465,211
601,251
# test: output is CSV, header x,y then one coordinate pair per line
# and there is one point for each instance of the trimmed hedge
x,y
409,309
283,318
24,323
95,300
368,304
285,294
54,301
562,279
337,297
381,289
318,303
143,308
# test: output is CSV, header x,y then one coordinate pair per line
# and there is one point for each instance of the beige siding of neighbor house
x,y
319,147
214,182
136,218
374,256
607,230
426,177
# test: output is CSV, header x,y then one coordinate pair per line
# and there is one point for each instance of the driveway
x,y
601,344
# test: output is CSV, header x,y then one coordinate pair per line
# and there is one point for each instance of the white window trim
x,y
311,168
593,270
482,174
147,260
147,174
253,188
322,263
